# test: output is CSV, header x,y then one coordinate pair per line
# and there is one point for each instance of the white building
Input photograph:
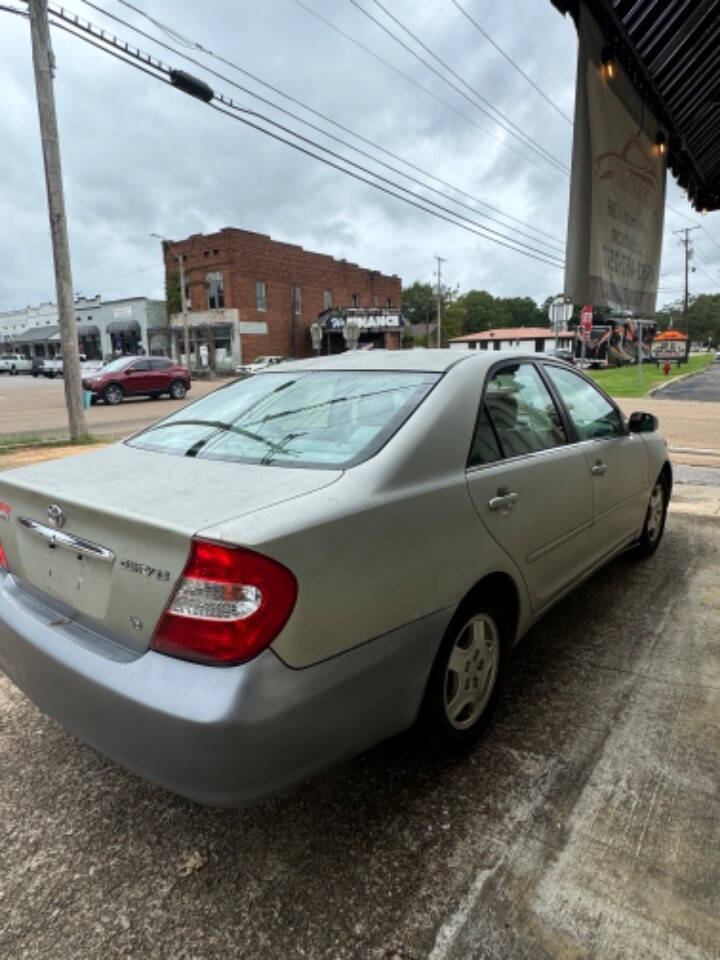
x,y
528,339
131,325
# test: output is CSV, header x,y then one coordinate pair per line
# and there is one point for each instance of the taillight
x,y
3,559
229,605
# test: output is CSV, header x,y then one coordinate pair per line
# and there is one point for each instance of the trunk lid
x,y
141,509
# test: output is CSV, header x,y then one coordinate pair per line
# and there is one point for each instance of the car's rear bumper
x,y
222,736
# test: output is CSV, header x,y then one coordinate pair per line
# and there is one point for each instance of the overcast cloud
x,y
141,157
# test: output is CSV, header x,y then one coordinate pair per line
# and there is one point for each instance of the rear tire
x,y
466,679
655,516
177,390
113,394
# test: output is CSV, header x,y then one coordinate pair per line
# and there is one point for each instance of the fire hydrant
x,y
666,367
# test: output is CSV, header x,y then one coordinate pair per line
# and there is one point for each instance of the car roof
x,y
418,360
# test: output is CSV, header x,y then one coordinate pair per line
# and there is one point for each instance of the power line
x,y
510,60
198,46
419,206
374,159
511,127
430,93
147,64
692,220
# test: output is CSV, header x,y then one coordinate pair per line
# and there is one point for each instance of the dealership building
x,y
247,295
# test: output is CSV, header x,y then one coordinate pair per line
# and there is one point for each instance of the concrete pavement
x,y
584,825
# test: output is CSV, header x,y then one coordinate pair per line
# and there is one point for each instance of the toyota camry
x,y
312,559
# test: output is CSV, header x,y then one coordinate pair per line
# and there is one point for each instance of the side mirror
x,y
643,422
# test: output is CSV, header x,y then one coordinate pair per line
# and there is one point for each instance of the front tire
x,y
177,390
112,394
655,517
466,679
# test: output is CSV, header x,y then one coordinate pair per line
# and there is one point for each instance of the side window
x,y
518,416
160,364
140,366
215,290
592,415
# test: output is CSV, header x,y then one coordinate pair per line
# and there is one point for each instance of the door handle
x,y
504,500
599,469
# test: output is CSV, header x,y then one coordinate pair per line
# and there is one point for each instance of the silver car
x,y
307,561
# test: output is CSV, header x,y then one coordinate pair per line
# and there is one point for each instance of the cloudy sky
x,y
139,157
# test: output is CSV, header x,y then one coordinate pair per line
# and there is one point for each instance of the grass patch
x,y
637,382
31,441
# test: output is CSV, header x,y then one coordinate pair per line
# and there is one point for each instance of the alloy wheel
x,y
656,509
471,672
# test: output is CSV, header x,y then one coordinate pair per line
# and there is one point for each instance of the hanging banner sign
x,y
617,194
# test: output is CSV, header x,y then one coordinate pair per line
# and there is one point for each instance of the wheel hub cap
x,y
471,672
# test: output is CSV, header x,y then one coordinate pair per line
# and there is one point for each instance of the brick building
x,y
248,295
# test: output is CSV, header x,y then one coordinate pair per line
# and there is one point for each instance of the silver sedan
x,y
312,559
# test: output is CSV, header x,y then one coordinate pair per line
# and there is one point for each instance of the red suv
x,y
136,376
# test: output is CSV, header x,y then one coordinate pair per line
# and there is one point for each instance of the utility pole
x,y
686,231
440,261
43,64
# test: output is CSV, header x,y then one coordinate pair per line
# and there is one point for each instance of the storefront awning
x,y
87,330
123,326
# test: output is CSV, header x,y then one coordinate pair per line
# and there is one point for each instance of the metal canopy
x,y
123,326
670,49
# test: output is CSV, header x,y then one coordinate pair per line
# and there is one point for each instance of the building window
x,y
296,298
260,302
389,301
354,300
327,299
216,253
215,291
206,253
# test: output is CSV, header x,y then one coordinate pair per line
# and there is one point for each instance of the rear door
x,y
616,460
137,377
529,485
158,377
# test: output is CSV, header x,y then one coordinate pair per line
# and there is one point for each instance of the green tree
x,y
173,300
483,312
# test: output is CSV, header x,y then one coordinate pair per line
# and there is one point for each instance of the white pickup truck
x,y
14,363
53,367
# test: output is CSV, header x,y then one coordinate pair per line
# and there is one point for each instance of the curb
x,y
683,376
697,451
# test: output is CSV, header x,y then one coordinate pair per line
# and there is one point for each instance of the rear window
x,y
325,418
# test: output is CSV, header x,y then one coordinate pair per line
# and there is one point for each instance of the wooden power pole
x,y
43,63
686,231
440,260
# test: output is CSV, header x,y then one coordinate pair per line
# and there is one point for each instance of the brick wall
x,y
244,258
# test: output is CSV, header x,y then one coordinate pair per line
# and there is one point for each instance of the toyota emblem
x,y
55,515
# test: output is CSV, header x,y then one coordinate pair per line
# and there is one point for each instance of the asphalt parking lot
x,y
36,405
703,387
584,825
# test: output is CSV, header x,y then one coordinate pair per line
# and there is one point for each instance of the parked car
x,y
312,559
14,363
260,363
138,376
561,354
53,367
